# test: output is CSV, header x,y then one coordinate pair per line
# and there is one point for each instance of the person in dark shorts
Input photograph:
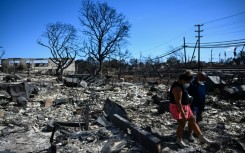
x,y
180,108
198,91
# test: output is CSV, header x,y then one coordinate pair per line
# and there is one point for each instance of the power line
x,y
225,33
189,30
221,41
224,25
186,31
231,29
208,47
225,17
170,52
219,46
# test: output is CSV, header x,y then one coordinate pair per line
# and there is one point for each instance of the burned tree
x,y
105,30
3,52
61,41
86,66
172,60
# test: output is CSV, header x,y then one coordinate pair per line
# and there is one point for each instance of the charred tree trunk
x,y
105,30
61,41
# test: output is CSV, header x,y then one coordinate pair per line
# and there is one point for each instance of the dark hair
x,y
187,75
201,76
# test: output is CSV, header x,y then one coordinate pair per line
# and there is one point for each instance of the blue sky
x,y
157,25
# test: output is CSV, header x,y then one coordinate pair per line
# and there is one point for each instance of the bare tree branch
x,y
61,41
3,52
105,29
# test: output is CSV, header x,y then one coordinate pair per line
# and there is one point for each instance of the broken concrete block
x,y
83,84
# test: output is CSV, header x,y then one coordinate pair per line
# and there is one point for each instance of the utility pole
x,y
184,50
219,57
211,56
140,56
225,56
198,37
235,53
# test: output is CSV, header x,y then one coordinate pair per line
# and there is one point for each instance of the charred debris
x,y
84,113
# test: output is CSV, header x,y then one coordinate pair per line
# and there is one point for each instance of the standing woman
x,y
180,108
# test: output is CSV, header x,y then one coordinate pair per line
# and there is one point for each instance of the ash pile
x,y
93,115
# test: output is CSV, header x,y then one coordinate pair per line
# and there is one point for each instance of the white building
x,y
44,65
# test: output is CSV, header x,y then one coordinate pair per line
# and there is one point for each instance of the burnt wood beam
x,y
146,139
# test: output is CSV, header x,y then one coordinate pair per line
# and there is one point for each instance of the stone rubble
x,y
24,128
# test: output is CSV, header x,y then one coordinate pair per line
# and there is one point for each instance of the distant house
x,y
43,65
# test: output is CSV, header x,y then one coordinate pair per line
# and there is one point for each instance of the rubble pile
x,y
57,118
